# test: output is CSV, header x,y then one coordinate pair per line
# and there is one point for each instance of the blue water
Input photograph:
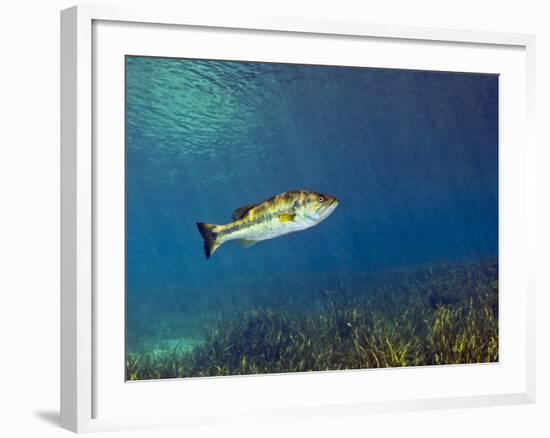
x,y
411,155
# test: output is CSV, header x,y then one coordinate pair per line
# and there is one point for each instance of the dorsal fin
x,y
239,213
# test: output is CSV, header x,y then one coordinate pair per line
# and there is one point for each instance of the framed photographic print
x,y
319,217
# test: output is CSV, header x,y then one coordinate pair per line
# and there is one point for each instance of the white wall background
x,y
29,217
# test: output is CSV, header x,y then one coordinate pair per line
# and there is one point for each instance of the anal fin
x,y
247,243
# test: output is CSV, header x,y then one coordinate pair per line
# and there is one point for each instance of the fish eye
x,y
321,198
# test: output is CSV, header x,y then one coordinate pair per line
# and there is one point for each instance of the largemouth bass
x,y
282,214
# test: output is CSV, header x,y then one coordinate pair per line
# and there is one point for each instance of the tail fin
x,y
211,244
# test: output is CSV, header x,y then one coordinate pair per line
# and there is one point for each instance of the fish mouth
x,y
329,206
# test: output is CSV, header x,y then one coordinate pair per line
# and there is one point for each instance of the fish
x,y
279,215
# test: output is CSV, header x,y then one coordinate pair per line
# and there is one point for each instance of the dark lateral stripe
x,y
241,226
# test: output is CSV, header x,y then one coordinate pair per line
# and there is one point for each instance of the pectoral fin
x,y
247,243
286,217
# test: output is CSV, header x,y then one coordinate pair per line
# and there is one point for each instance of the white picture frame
x,y
83,379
